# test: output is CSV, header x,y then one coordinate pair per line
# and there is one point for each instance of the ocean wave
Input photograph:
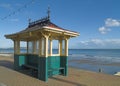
x,y
99,58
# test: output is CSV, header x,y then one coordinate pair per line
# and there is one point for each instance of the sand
x,y
76,77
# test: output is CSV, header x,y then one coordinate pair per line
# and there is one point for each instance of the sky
x,y
97,21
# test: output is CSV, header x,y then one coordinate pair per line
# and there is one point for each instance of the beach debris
x,y
100,70
117,74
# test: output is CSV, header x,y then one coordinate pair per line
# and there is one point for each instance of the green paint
x,y
32,59
16,62
22,60
64,63
43,68
53,63
47,67
19,60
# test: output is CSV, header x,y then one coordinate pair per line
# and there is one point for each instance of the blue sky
x,y
98,21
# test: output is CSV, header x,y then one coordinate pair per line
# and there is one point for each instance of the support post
x,y
43,62
40,47
18,60
50,47
27,47
46,46
34,47
16,47
66,47
64,59
60,47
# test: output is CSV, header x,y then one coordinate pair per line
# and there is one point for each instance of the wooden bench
x,y
33,68
30,66
56,69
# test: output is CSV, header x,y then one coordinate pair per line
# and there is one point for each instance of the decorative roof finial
x,y
48,12
29,20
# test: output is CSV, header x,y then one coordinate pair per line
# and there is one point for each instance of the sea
x,y
97,60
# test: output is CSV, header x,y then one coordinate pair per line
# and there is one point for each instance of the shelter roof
x,y
44,24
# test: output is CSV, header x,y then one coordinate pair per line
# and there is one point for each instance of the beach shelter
x,y
39,37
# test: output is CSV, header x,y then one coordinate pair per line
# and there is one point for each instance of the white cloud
x,y
99,43
112,22
84,42
104,30
6,5
93,41
113,41
109,23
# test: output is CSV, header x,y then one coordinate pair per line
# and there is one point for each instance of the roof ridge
x,y
42,21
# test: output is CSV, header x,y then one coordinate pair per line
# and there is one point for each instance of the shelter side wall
x,y
43,68
19,60
32,60
22,59
53,63
64,64
47,66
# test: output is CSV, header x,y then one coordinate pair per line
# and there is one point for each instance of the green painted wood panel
x,y
22,60
43,68
64,63
19,60
32,59
53,63
43,64
16,62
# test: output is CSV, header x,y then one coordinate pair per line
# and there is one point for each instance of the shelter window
x,y
30,47
55,48
23,48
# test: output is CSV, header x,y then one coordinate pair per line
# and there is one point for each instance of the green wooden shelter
x,y
38,37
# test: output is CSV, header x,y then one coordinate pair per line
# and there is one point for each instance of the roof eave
x,y
66,32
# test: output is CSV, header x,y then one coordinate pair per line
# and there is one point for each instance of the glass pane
x,y
37,47
55,47
30,47
23,47
63,47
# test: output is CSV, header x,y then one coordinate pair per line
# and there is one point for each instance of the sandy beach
x,y
76,77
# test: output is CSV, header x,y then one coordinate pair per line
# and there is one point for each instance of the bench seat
x,y
34,67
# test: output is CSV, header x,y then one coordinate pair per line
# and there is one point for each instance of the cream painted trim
x,y
16,47
40,47
60,49
52,28
55,55
50,47
66,47
46,46
34,47
65,31
72,32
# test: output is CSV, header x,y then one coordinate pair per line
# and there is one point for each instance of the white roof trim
x,y
66,31
52,28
